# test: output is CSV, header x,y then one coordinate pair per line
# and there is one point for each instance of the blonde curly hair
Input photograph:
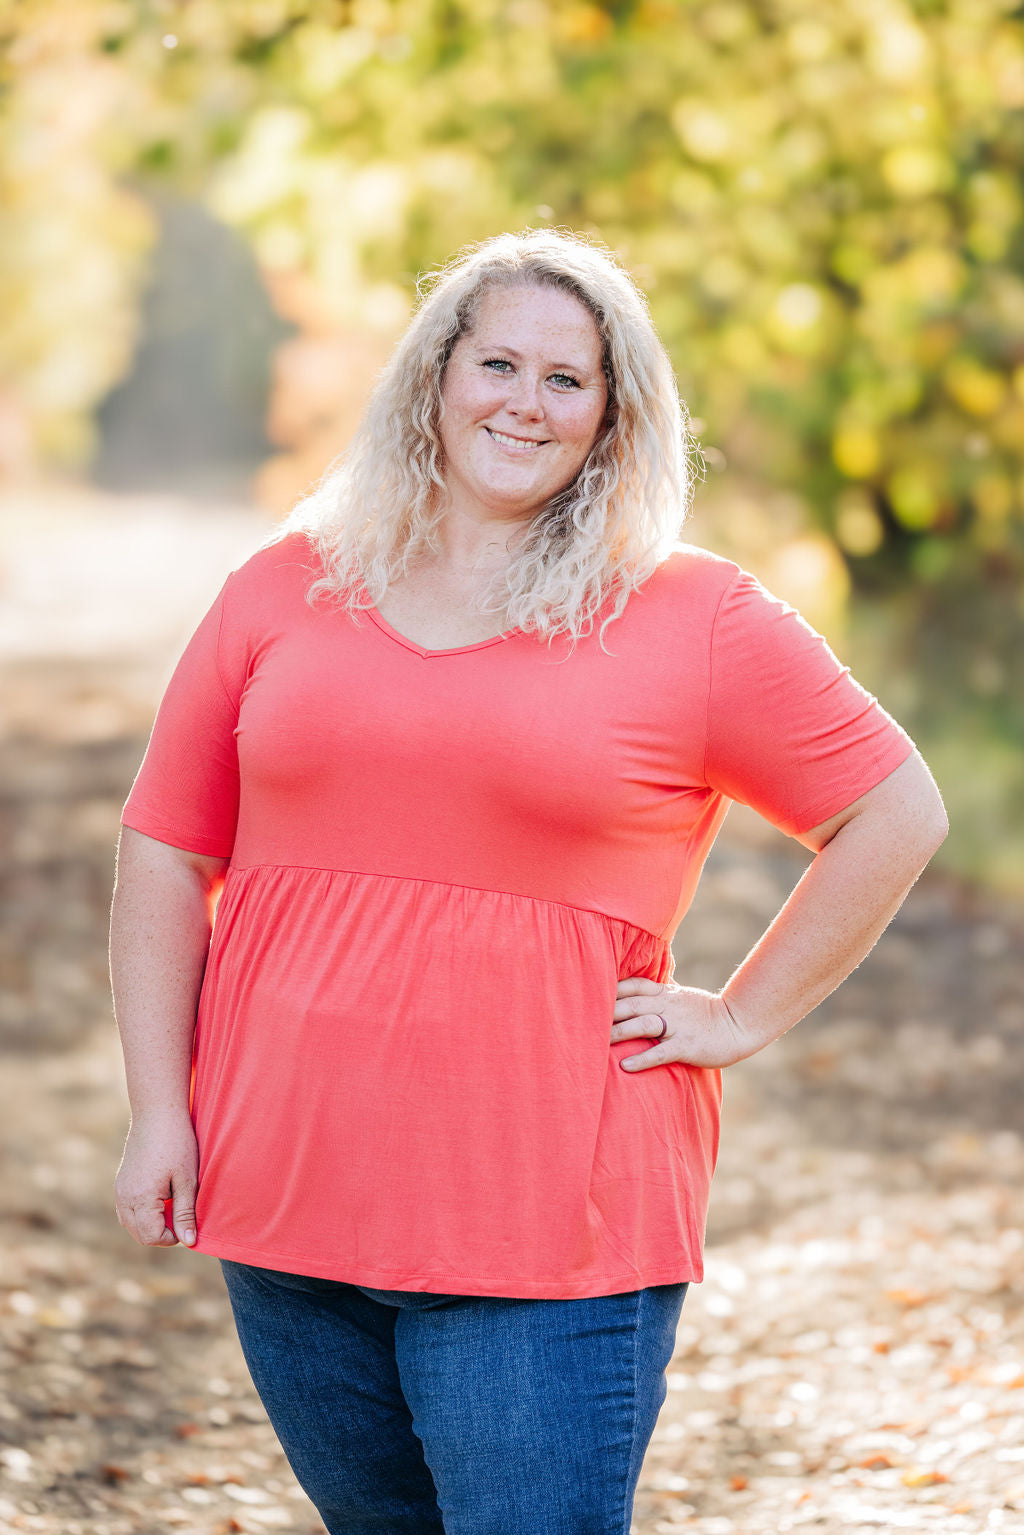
x,y
379,505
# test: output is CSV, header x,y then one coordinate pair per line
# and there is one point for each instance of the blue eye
x,y
560,380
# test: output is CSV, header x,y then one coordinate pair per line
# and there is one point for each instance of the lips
x,y
515,444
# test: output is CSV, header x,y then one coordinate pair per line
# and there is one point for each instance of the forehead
x,y
537,316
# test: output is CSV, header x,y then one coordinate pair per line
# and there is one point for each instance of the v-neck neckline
x,y
422,650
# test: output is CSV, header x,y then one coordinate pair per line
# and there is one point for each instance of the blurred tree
x,y
823,199
71,240
189,416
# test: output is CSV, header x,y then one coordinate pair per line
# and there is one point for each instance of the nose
x,y
524,401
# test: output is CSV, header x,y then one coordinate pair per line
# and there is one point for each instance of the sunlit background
x,y
213,214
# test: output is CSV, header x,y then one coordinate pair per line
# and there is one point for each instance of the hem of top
x,y
885,763
189,842
500,1287
451,884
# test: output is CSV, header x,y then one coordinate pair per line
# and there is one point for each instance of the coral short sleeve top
x,y
441,864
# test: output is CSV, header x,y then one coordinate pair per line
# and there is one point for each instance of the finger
x,y
636,1007
639,986
147,1225
654,1055
184,1210
650,1026
166,1238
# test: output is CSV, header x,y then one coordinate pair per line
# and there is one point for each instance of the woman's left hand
x,y
700,1029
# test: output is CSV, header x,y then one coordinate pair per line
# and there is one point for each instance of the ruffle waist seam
x,y
412,879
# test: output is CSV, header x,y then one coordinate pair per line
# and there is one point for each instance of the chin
x,y
524,504
515,496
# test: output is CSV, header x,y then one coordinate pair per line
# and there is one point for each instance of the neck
x,y
477,539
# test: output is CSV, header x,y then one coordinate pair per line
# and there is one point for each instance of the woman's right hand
x,y
161,1161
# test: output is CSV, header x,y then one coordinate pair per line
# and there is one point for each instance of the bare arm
x,y
160,928
867,860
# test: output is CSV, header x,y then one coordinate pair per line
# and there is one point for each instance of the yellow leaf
x,y
583,24
914,170
52,1316
856,451
976,389
913,497
917,1478
908,1297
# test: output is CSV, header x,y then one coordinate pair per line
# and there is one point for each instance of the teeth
x,y
511,442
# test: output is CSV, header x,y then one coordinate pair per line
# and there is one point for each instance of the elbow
x,y
925,822
931,829
938,820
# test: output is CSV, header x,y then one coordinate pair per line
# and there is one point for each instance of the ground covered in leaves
x,y
854,1360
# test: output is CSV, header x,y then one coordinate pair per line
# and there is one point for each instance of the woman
x,y
457,743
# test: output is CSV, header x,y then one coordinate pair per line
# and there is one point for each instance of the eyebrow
x,y
510,351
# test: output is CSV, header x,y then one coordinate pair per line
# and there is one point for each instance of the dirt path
x,y
854,1360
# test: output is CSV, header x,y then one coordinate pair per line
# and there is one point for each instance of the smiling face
x,y
524,400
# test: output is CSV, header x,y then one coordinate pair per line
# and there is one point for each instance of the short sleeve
x,y
790,732
186,791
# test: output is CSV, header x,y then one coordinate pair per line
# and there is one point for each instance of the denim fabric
x,y
424,1414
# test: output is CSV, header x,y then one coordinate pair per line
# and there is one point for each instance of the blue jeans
x,y
422,1414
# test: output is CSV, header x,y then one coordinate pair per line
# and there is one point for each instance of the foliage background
x,y
212,214
821,197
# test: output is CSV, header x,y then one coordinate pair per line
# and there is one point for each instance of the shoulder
x,y
690,582
737,594
692,562
287,560
717,598
264,594
278,572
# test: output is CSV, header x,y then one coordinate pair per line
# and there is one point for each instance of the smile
x,y
520,444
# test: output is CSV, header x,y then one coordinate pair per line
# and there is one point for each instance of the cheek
x,y
583,422
467,398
